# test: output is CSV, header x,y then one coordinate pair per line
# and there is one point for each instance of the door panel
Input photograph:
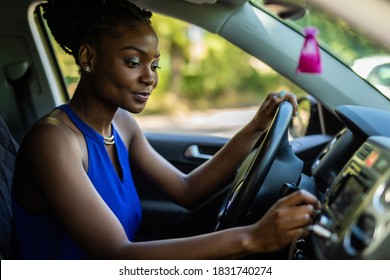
x,y
162,218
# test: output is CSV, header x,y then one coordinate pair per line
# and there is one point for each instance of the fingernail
x,y
282,93
296,114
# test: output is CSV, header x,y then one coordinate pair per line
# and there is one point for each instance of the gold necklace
x,y
109,140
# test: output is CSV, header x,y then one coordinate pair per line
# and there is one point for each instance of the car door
x,y
161,216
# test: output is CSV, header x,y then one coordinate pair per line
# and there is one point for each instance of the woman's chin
x,y
136,109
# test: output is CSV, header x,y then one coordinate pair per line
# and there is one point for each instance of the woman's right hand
x,y
285,221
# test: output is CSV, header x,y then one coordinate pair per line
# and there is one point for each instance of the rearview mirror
x,y
287,9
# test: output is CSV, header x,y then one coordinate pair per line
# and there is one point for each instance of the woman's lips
x,y
142,97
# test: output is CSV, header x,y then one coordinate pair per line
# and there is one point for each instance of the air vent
x,y
364,152
362,233
327,148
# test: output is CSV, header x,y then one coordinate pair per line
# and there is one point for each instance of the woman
x,y
74,196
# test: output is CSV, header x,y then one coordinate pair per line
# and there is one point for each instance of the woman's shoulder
x,y
52,129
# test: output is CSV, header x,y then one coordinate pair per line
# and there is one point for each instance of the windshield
x,y
367,58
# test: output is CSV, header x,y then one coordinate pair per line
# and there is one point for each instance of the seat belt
x,y
19,76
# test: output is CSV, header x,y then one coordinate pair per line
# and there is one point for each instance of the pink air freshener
x,y
310,60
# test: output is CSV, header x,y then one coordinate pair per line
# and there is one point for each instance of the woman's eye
x,y
131,63
155,67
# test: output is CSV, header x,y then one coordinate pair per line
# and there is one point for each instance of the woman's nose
x,y
148,77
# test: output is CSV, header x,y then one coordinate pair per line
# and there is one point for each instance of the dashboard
x,y
354,222
359,124
355,219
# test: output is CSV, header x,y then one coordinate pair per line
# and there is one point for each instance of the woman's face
x,y
125,67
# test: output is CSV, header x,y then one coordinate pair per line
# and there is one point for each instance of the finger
x,y
283,95
301,197
274,97
295,221
271,103
293,100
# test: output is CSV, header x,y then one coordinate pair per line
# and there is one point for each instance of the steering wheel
x,y
254,170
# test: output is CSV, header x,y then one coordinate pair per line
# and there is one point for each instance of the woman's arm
x,y
282,224
190,189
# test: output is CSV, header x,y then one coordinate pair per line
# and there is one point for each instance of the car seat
x,y
8,151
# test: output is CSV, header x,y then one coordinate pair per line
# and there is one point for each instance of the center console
x,y
355,219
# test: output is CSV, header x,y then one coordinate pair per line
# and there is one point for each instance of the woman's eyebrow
x,y
129,47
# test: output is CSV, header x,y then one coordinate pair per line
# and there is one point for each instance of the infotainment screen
x,y
346,197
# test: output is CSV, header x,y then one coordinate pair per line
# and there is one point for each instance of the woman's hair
x,y
74,22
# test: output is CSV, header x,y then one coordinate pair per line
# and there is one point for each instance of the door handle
x,y
193,152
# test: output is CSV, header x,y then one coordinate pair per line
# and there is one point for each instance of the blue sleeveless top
x,y
41,236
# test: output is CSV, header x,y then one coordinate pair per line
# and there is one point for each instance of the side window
x,y
380,75
206,86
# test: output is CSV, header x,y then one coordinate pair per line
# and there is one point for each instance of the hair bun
x,y
73,22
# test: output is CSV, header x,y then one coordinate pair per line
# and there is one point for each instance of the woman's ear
x,y
86,56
